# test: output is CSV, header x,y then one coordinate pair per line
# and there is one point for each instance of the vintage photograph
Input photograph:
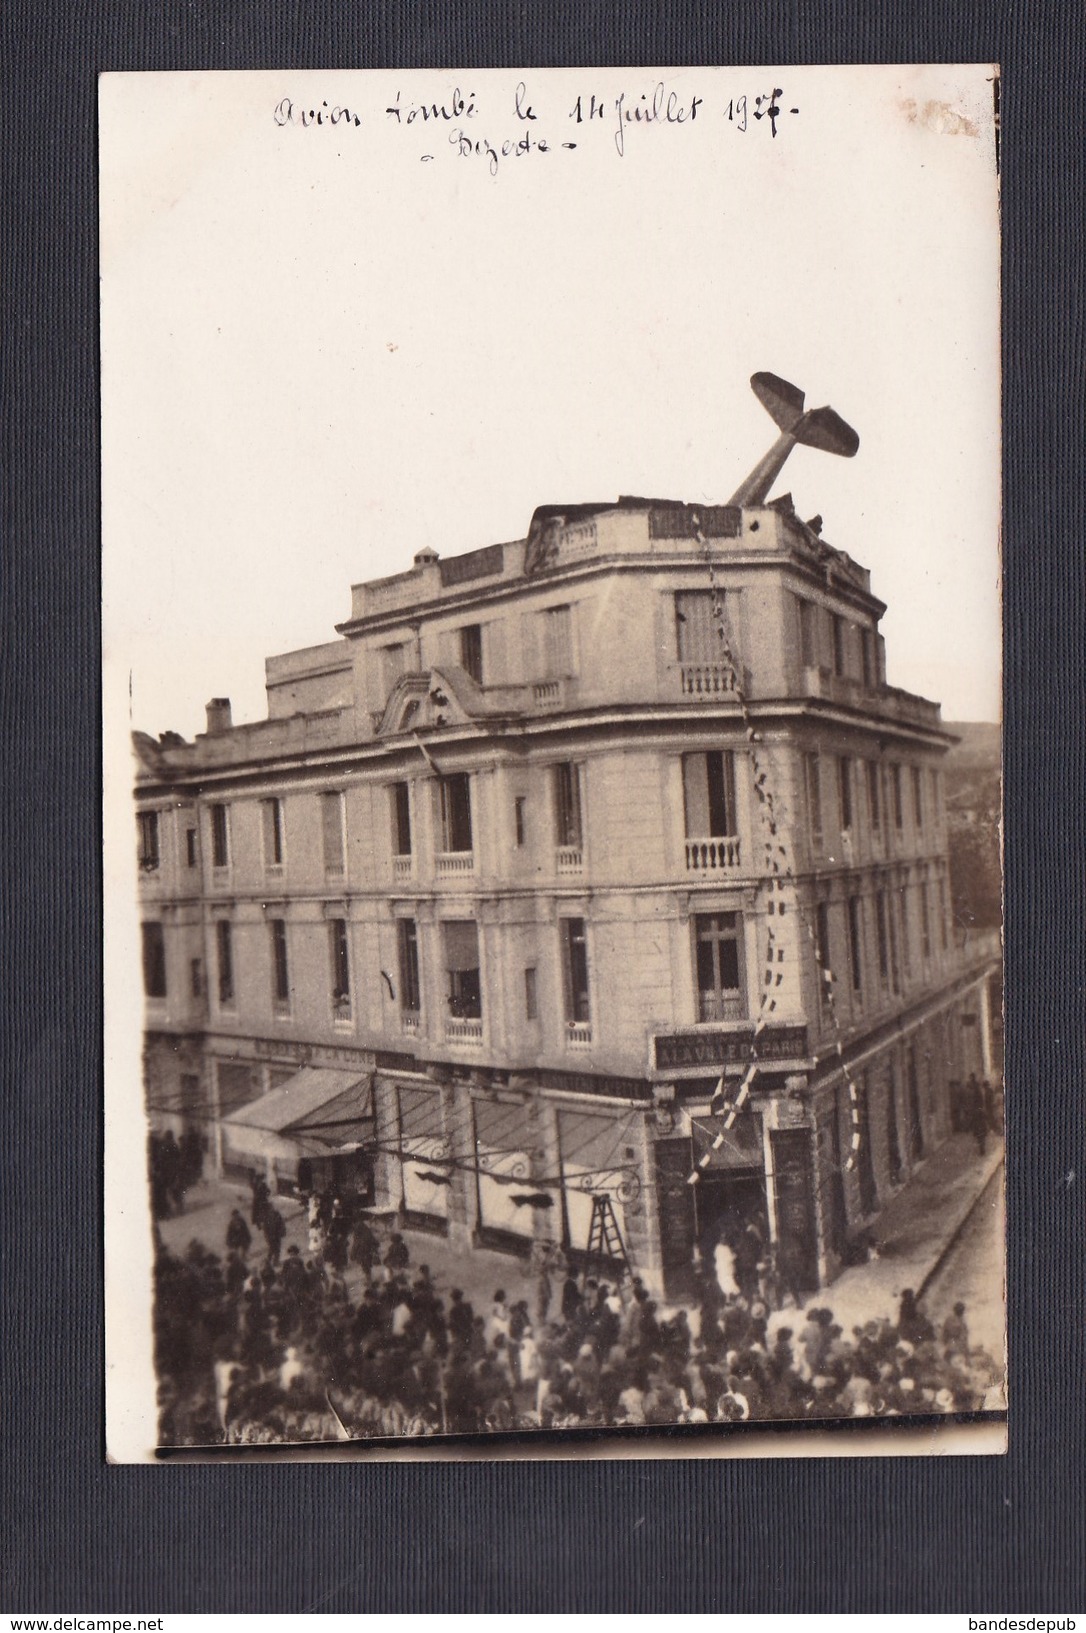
x,y
552,756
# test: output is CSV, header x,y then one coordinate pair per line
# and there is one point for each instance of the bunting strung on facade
x,y
779,881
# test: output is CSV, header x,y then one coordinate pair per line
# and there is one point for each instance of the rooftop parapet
x,y
568,536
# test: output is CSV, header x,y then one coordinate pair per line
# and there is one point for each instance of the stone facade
x,y
550,839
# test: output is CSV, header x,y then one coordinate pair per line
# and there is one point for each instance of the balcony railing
x,y
719,855
721,1006
447,862
403,867
409,1020
462,1030
569,858
341,1011
706,679
546,691
579,1034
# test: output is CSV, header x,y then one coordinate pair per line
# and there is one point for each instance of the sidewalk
x,y
914,1232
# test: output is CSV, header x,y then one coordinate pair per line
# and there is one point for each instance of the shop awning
x,y
319,1108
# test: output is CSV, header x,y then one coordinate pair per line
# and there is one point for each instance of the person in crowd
x,y
286,1351
238,1236
274,1227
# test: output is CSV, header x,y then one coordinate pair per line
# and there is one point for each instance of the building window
x,y
935,792
869,1196
272,811
220,837
874,802
225,947
918,798
916,1121
881,937
471,651
341,968
280,967
944,935
895,1162
567,805
393,664
520,805
531,997
575,974
895,796
813,772
709,794
822,947
925,923
196,977
718,964
906,947
840,663
557,642
154,960
148,841
697,628
855,944
844,787
332,834
453,796
410,992
807,646
891,919
867,657
190,847
401,819
465,993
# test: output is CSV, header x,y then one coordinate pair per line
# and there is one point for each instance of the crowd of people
x,y
352,1340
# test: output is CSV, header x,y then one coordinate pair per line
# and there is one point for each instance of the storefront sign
x,y
675,1050
613,1088
315,1054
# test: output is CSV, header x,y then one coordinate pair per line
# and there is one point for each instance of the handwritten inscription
x,y
629,114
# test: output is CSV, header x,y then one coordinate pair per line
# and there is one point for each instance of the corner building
x,y
553,837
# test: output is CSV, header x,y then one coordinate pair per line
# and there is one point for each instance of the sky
x,y
324,346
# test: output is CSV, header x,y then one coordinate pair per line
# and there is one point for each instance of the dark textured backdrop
x,y
992,1534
